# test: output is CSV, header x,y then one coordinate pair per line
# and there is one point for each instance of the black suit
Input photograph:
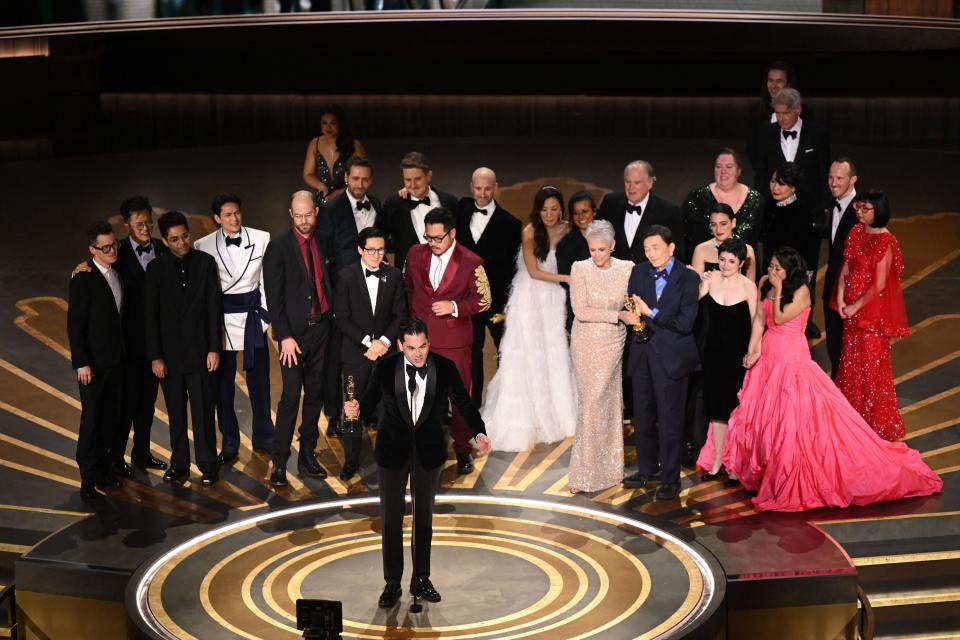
x,y
94,328
290,297
659,368
613,207
343,230
357,320
572,248
834,323
498,246
140,388
403,235
183,324
413,449
813,156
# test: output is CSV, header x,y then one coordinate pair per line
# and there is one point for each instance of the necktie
x,y
479,210
414,203
233,241
313,278
412,371
114,281
788,134
836,205
637,209
144,248
363,205
662,273
375,274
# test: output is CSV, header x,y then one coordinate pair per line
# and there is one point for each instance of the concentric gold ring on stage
x,y
575,573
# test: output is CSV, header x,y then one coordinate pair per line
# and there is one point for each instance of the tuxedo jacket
x,y
397,434
133,277
498,246
239,278
613,207
183,324
835,254
344,228
403,235
671,329
289,290
354,316
813,156
94,325
464,282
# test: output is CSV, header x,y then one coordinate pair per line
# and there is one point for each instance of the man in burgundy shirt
x,y
300,299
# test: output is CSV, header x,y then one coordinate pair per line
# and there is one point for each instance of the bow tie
x,y
233,241
375,274
416,203
836,205
637,209
662,273
788,134
479,210
144,248
363,205
412,371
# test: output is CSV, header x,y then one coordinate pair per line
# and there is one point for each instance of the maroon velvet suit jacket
x,y
464,282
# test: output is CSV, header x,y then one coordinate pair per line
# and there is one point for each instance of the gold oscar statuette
x,y
351,390
641,333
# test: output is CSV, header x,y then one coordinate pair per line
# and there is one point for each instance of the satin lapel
x,y
105,286
451,271
295,248
425,271
221,248
380,288
247,248
672,278
360,277
431,392
400,389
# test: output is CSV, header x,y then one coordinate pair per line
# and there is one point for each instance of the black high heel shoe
x,y
708,477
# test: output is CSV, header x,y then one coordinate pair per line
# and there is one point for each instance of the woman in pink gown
x,y
794,439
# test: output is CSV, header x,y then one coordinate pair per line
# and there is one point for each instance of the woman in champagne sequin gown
x,y
597,289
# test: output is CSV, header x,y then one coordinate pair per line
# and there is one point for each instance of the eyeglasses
x,y
143,226
435,239
107,248
374,251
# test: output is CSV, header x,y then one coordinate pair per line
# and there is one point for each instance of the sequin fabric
x,y
696,216
596,346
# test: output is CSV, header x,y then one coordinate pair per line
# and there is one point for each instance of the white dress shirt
x,y
145,257
790,145
631,221
419,212
438,266
362,217
373,288
479,221
113,280
232,253
414,400
838,213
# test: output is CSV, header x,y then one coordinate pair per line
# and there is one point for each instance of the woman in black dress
x,y
730,302
328,153
789,218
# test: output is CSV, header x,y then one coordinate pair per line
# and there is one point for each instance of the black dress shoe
x,y
731,482
347,472
307,463
262,450
278,478
209,478
334,431
390,596
123,469
639,480
708,477
812,331
88,492
464,463
109,482
176,475
667,492
228,458
423,588
149,462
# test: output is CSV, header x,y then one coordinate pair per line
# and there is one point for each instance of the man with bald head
x,y
491,232
299,296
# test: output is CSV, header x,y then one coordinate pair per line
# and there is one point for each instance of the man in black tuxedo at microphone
x,y
415,388
405,216
369,303
491,232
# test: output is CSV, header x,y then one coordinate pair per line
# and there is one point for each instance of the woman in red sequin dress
x,y
869,300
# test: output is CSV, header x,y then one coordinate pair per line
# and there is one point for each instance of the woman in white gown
x,y
533,396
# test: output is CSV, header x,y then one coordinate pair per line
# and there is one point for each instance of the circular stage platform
x,y
507,568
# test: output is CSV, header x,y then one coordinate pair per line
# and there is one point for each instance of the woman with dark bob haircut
x,y
869,300
794,439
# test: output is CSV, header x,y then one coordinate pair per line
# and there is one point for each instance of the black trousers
x,y
307,375
200,390
481,322
352,432
100,415
658,409
258,385
423,489
332,399
139,402
834,337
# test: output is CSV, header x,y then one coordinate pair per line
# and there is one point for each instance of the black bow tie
x,y
363,205
788,134
479,210
233,241
375,274
416,203
144,248
412,371
662,273
836,205
637,209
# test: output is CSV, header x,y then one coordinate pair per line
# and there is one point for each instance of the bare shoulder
x,y
527,233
